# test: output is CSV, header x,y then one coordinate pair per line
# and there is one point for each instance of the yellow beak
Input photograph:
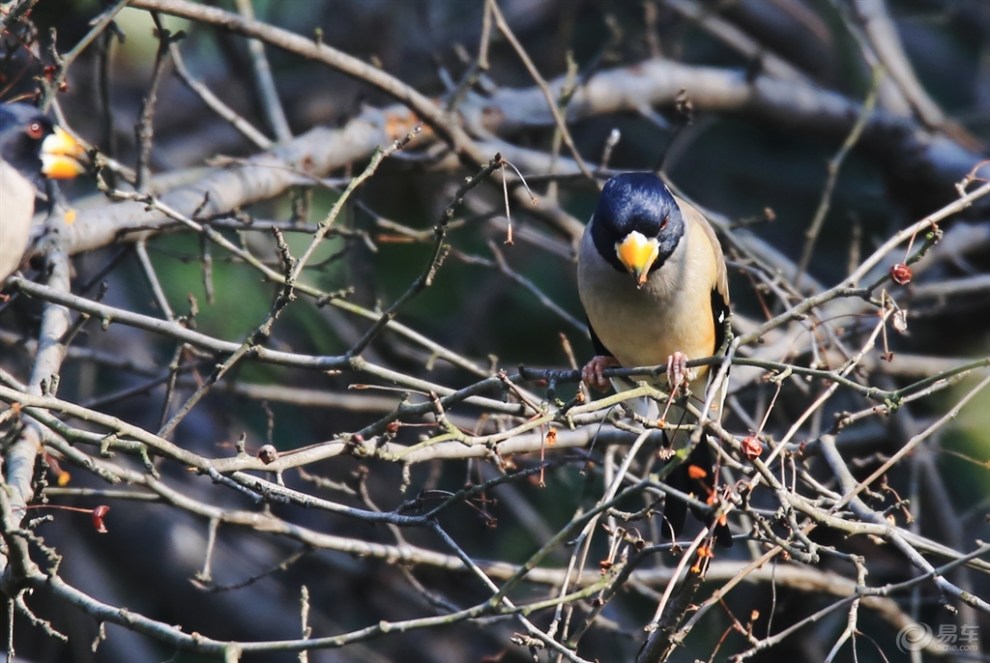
x,y
637,254
62,156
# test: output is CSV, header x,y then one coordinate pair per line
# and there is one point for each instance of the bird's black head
x,y
636,203
22,130
36,147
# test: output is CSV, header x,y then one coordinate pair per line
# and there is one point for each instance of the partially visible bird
x,y
653,283
32,147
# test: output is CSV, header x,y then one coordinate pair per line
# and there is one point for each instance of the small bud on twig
x,y
268,454
900,274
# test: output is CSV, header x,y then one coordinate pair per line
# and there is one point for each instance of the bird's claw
x,y
591,374
678,374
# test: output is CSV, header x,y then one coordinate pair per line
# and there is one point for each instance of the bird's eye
x,y
663,224
35,130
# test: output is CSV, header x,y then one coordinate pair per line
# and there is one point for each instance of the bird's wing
x,y
720,290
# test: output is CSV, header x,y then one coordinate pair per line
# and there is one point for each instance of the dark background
x,y
738,164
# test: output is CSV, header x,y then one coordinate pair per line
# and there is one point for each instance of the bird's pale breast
x,y
16,208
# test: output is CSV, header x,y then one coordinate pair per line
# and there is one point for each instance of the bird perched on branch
x,y
32,148
653,283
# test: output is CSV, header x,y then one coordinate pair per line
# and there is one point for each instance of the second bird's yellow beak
x,y
637,254
62,156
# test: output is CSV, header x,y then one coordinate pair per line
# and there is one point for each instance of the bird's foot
x,y
591,374
678,374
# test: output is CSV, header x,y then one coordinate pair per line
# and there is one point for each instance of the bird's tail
x,y
696,476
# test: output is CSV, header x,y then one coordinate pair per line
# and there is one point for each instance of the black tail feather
x,y
675,510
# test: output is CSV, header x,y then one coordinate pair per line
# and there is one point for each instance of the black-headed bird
x,y
32,148
653,283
